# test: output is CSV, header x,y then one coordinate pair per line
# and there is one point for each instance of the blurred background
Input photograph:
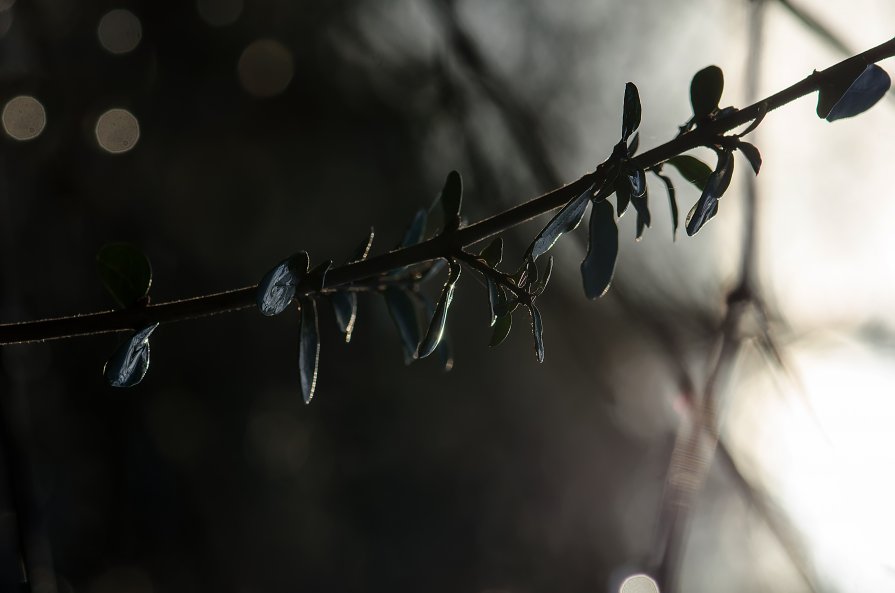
x,y
221,135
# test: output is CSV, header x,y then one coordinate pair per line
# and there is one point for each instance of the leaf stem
x,y
440,246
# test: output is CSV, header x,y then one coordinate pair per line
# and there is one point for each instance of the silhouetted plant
x,y
844,90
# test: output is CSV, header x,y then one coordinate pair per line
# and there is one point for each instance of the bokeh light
x,y
117,131
219,13
639,583
265,68
119,31
6,4
24,118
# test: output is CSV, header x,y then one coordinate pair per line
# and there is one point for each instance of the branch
x,y
443,245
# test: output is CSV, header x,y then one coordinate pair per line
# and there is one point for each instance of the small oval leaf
x,y
622,194
403,314
537,331
598,266
451,200
631,113
493,253
707,206
444,350
501,329
641,205
308,348
361,252
868,88
566,220
129,363
752,155
705,91
277,289
345,309
637,179
672,203
496,295
125,272
439,318
691,169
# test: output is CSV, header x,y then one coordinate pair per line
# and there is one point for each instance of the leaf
x,y
344,302
129,363
541,285
691,169
451,199
752,155
361,252
566,220
622,193
641,204
847,96
496,295
602,249
631,114
277,289
501,329
637,179
317,276
345,309
537,331
707,206
493,253
125,272
439,318
635,143
672,202
308,348
416,231
705,91
444,350
403,314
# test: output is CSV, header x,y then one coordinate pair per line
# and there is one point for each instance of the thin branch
x,y
440,246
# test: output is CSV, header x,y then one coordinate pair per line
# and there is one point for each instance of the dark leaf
x,y
622,193
641,204
537,330
345,308
493,253
691,169
444,350
602,249
672,202
434,270
501,329
541,286
439,318
451,199
848,96
566,220
129,363
631,115
361,252
705,90
707,206
277,289
403,314
637,179
506,305
752,155
317,276
125,272
416,231
496,296
308,348
635,143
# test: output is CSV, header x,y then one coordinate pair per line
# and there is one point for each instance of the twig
x,y
244,298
